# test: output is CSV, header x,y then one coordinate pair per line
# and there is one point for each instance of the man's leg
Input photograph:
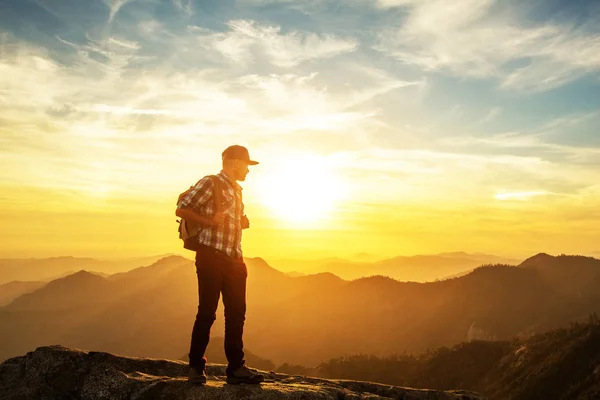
x,y
234,300
209,286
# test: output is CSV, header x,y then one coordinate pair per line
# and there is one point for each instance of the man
x,y
220,266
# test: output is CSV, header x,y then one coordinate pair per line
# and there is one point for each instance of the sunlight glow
x,y
304,189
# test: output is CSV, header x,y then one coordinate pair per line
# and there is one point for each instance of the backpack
x,y
188,231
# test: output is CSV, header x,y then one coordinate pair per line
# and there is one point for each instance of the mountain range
x,y
304,320
561,364
20,276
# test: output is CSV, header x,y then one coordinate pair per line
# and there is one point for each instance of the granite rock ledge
x,y
57,372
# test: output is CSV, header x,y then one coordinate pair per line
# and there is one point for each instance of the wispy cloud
x,y
103,108
486,39
247,40
518,195
186,6
426,175
492,114
540,140
115,6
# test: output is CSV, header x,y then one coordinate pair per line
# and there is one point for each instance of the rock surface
x,y
56,372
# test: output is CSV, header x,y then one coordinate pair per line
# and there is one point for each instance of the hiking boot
x,y
197,376
244,375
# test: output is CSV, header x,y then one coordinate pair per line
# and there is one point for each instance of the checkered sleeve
x,y
198,195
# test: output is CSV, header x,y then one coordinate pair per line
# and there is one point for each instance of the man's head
x,y
236,160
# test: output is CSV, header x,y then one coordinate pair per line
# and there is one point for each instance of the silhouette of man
x,y
220,265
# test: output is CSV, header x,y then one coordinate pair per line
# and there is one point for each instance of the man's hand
x,y
245,222
218,218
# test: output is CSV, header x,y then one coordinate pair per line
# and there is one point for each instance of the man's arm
x,y
192,216
196,197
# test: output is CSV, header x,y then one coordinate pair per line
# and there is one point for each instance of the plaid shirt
x,y
226,237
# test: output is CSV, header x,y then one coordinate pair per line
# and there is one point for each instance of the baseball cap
x,y
237,152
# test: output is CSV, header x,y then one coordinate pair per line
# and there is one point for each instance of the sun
x,y
303,189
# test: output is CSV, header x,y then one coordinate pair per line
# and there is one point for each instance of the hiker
x,y
215,203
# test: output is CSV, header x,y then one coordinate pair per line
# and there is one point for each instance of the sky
x,y
386,127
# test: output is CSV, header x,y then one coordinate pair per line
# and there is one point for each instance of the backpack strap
x,y
217,192
182,195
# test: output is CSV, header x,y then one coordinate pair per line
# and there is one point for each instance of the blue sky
x,y
466,102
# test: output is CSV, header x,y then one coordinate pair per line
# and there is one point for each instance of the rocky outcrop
x,y
56,372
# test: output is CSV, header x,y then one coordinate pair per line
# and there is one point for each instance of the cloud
x,y
144,104
103,108
547,141
379,82
507,140
518,195
491,115
105,111
185,6
394,3
247,40
484,39
115,6
124,43
421,175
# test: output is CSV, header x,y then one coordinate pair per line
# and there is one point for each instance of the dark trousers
x,y
218,274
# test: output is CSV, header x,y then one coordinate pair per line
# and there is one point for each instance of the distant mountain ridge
x,y
11,290
64,293
303,320
418,268
40,269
